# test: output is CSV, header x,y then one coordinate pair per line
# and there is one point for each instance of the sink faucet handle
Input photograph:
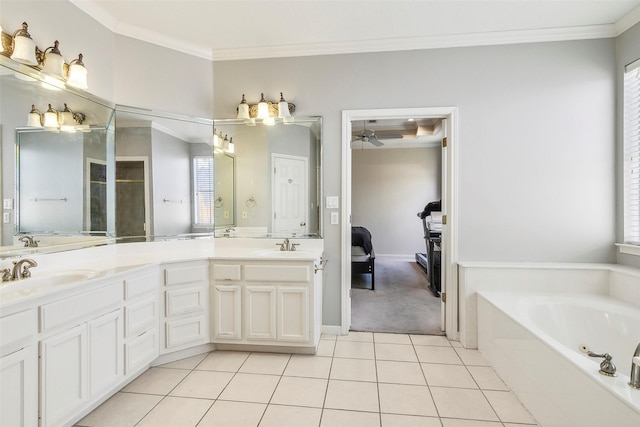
x,y
6,274
26,272
293,246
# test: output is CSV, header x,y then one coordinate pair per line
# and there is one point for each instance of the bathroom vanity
x,y
74,335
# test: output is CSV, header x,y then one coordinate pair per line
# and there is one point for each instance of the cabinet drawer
x,y
186,274
277,273
140,285
19,326
140,316
184,331
227,272
185,300
79,306
140,351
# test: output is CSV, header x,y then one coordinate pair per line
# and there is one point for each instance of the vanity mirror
x,y
277,177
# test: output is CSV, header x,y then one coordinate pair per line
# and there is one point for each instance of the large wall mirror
x,y
277,178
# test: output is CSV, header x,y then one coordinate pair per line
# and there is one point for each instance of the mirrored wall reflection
x,y
277,178
164,168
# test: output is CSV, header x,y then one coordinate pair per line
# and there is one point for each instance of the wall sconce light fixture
x,y
265,110
77,75
54,120
51,119
34,118
53,62
23,46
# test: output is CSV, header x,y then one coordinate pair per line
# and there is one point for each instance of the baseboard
x,y
331,330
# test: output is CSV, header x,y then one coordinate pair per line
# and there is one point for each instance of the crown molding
x,y
627,21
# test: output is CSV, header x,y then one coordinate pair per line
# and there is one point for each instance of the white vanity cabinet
x,y
80,352
19,369
266,303
186,305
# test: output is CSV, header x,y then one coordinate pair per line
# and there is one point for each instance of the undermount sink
x,y
47,280
277,253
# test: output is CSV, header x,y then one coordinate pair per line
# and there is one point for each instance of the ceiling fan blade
x,y
376,142
389,136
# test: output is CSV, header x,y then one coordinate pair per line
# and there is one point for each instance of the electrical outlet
x,y
334,217
244,214
226,214
6,217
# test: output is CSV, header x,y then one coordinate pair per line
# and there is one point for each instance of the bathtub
x,y
534,343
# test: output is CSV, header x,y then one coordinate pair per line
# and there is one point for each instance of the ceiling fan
x,y
368,135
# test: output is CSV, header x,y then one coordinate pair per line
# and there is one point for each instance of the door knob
x,y
302,224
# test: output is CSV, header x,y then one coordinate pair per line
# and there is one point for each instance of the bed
x,y
363,256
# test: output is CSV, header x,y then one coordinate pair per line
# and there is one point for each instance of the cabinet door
x,y
64,375
19,388
227,312
293,313
105,352
260,312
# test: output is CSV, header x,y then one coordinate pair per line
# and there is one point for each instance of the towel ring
x,y
251,202
219,202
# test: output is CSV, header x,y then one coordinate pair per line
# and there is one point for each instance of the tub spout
x,y
606,367
634,376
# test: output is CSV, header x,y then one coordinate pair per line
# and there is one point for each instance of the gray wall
x,y
388,188
536,147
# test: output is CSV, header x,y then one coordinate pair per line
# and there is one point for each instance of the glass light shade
x,y
263,108
67,122
24,50
231,147
283,108
243,109
216,140
77,74
51,118
53,62
34,119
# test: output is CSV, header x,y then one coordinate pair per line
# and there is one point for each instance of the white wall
x,y
536,147
388,188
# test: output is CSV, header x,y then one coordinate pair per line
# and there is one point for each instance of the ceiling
x,y
398,133
246,29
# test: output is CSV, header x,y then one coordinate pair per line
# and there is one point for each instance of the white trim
x,y
450,246
360,46
625,248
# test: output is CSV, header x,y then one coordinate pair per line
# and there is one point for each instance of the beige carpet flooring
x,y
400,303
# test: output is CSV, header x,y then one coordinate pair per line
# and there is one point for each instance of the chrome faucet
x,y
29,241
634,376
606,367
20,270
287,245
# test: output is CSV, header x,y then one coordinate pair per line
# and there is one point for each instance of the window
x,y
631,137
203,190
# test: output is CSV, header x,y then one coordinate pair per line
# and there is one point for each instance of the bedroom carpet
x,y
400,303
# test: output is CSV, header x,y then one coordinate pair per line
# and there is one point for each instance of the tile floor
x,y
361,379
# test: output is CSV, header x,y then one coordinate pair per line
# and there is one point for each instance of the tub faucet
x,y
606,367
634,376
20,270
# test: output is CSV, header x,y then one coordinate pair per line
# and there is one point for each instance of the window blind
x,y
203,190
631,137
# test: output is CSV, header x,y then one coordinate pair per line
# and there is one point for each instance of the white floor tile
x,y
357,336
176,412
331,337
451,422
236,414
397,352
462,403
308,366
471,357
256,388
508,407
188,363
406,400
203,384
325,348
391,338
436,340
487,378
228,361
354,349
353,369
291,416
441,375
352,395
121,410
297,391
157,381
393,420
265,363
399,372
432,354
336,418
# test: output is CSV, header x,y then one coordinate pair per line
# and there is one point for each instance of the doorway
x,y
132,198
448,115
289,194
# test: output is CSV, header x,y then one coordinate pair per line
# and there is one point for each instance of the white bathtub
x,y
533,341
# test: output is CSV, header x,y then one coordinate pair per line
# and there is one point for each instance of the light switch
x,y
226,214
244,214
334,217
332,202
5,217
7,204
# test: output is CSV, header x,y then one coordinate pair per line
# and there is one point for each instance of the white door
x,y
293,313
105,352
260,312
290,193
227,312
19,388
